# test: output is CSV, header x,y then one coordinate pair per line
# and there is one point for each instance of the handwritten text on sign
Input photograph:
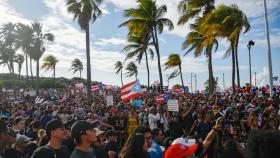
x,y
173,105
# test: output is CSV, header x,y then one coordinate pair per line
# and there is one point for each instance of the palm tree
x,y
19,60
138,47
4,56
190,9
85,11
147,16
202,44
7,33
118,68
37,47
174,60
171,76
229,22
196,40
77,65
49,63
131,69
24,39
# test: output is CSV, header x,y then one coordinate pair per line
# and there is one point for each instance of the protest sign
x,y
173,105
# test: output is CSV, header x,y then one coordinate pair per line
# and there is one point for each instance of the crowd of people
x,y
222,125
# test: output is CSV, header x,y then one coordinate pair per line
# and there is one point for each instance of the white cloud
x,y
110,41
123,4
263,77
58,8
9,14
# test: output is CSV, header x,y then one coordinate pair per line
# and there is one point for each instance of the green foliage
x,y
176,86
42,83
206,84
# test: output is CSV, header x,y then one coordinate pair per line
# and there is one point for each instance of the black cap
x,y
79,127
111,133
53,125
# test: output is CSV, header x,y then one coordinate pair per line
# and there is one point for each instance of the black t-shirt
x,y
112,146
32,134
99,152
12,153
77,153
48,152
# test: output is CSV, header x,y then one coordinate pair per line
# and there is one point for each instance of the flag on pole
x,y
162,98
130,91
96,87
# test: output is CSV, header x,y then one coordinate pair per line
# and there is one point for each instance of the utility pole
x,y
249,45
269,50
255,79
191,82
195,82
224,81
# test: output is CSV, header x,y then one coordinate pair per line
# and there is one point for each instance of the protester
x,y
135,147
223,125
55,131
111,145
84,135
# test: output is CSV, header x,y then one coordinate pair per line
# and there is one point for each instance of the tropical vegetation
x,y
84,12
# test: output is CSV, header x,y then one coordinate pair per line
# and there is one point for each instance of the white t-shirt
x,y
153,120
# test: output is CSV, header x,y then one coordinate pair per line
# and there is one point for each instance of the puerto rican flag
x,y
130,91
96,87
162,98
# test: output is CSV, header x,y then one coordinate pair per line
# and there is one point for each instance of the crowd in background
x,y
221,125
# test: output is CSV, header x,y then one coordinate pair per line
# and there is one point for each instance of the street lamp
x,y
269,49
249,45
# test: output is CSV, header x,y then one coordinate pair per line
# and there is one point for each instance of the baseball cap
x,y
53,125
110,133
98,131
181,147
79,127
22,139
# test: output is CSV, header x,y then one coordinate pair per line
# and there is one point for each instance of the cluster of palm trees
x,y
145,22
28,39
210,24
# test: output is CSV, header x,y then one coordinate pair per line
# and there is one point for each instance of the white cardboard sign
x,y
173,105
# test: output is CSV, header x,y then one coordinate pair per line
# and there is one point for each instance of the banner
x,y
173,105
109,100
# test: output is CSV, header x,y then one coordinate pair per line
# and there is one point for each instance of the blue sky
x,y
107,40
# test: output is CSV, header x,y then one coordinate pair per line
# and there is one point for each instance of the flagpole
x,y
269,49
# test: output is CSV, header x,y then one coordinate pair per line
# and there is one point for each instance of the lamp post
x,y
269,50
249,45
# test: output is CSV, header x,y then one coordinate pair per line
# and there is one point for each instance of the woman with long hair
x,y
135,147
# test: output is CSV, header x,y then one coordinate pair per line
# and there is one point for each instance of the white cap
x,y
184,141
22,138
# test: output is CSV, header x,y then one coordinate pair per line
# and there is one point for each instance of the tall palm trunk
x,y
148,70
30,64
121,77
210,71
37,76
181,75
80,74
54,72
155,40
26,64
19,70
89,94
236,60
233,67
